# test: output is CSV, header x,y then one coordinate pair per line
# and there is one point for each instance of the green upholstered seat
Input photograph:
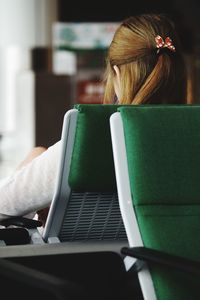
x,y
162,145
85,206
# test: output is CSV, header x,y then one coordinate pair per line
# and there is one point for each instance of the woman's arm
x,y
35,152
31,187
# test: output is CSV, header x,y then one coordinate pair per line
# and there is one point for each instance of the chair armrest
x,y
14,236
162,258
21,222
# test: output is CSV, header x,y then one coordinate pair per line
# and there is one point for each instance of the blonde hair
x,y
146,76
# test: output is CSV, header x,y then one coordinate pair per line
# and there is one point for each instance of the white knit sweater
x,y
30,188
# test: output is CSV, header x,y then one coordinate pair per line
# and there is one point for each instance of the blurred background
x,y
52,55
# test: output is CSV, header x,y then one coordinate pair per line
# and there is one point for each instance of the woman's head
x,y
139,72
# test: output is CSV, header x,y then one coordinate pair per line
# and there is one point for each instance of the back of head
x,y
149,74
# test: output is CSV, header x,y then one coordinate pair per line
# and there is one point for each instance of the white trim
x,y
125,201
62,188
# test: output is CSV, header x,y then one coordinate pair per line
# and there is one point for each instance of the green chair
x,y
85,207
157,163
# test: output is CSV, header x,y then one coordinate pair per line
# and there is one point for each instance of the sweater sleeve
x,y
30,188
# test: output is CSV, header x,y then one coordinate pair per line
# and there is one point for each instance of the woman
x,y
144,65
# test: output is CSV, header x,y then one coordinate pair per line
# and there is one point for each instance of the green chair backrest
x,y
163,153
92,166
89,208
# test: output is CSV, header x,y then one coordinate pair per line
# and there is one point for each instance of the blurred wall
x,y
24,25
